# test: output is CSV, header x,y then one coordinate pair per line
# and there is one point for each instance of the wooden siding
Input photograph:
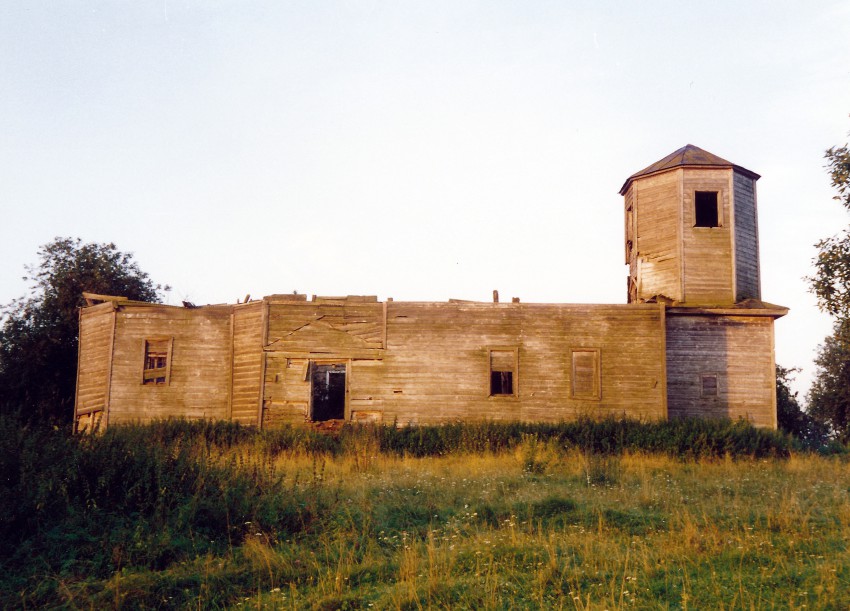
x,y
97,325
325,327
656,269
247,361
437,364
746,239
330,330
739,350
707,255
198,380
286,390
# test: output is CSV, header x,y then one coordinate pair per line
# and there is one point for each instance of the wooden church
x,y
694,339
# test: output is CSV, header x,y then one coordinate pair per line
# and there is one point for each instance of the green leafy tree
x,y
789,413
39,332
829,396
838,162
831,282
791,416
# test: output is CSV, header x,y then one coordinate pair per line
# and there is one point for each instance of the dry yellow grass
x,y
588,532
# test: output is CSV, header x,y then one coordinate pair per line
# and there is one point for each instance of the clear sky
x,y
415,150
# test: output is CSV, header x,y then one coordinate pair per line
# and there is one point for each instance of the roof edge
x,y
689,156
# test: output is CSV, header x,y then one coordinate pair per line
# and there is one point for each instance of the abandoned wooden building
x,y
694,338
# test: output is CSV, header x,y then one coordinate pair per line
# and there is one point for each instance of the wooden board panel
x,y
247,365
707,253
746,239
656,266
94,365
198,381
286,390
436,367
738,350
325,326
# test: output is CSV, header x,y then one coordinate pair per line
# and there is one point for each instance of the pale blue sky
x,y
414,150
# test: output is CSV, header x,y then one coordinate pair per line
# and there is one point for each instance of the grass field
x,y
154,520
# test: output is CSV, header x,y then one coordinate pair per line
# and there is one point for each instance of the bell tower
x,y
691,231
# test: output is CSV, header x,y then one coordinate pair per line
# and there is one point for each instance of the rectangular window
x,y
708,385
585,374
503,367
706,211
157,360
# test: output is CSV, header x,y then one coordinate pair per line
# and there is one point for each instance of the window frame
x,y
717,205
514,372
596,393
702,390
146,378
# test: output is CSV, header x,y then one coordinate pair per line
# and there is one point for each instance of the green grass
x,y
574,516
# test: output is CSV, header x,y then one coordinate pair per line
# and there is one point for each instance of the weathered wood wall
x,y
747,276
199,368
428,362
656,269
707,255
436,367
738,350
97,325
246,375
328,330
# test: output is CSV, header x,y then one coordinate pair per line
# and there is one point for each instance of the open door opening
x,y
327,392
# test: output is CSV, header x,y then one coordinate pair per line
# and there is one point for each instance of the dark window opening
x,y
501,382
327,392
503,364
709,385
706,212
156,361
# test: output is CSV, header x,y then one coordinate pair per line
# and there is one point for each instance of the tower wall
x,y
721,366
707,252
747,277
655,258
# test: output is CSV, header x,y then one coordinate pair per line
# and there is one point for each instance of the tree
x,y
838,162
829,396
790,415
831,282
39,332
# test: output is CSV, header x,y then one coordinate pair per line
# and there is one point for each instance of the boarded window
x,y
706,212
503,365
157,360
708,385
585,374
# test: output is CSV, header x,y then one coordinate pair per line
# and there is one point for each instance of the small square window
x,y
503,364
708,385
706,212
156,361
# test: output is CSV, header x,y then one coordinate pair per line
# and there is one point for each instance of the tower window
x,y
706,212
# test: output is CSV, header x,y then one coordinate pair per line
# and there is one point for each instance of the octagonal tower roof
x,y
690,156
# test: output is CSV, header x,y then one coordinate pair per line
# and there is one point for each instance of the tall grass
x,y
575,515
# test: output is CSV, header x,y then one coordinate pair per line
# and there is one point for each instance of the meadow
x,y
610,515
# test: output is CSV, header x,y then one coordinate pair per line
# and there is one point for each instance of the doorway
x,y
327,392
